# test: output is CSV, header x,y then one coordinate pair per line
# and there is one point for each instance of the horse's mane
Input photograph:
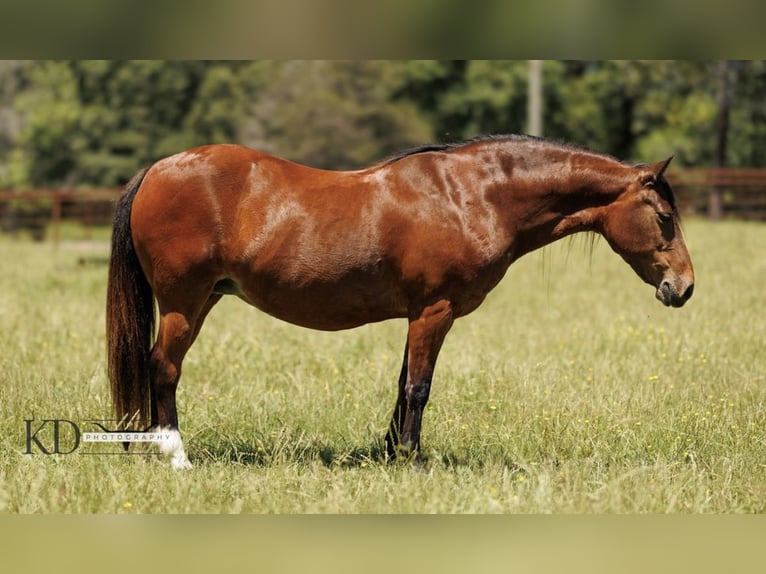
x,y
447,147
664,187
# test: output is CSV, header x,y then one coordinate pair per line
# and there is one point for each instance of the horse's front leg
x,y
427,330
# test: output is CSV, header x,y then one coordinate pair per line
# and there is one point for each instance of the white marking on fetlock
x,y
172,446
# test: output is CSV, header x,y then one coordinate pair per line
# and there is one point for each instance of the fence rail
x,y
721,192
35,210
711,192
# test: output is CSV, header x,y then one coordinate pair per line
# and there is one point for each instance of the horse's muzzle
x,y
670,296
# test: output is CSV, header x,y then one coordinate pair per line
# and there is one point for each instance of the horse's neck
x,y
569,199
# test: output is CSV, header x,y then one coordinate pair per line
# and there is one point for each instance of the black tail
x,y
129,317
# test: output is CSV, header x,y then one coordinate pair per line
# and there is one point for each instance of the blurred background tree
x,y
95,123
337,115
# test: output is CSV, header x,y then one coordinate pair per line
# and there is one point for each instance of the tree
x,y
219,107
97,122
335,115
10,122
425,83
747,122
46,146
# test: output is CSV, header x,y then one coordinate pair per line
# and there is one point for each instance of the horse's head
x,y
642,225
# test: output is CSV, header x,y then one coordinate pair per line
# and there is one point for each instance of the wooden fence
x,y
719,193
38,210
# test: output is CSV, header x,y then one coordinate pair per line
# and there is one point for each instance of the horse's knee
x,y
164,372
169,350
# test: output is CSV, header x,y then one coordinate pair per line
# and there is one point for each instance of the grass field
x,y
571,390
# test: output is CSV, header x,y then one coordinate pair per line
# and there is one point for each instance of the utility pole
x,y
715,208
535,98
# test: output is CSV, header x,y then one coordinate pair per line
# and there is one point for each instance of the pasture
x,y
571,390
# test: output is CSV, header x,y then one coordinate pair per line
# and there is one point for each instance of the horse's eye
x,y
664,216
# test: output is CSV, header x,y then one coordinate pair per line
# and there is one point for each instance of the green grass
x,y
570,390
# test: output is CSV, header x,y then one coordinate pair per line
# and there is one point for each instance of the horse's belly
x,y
355,300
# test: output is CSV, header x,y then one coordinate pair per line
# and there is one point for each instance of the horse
x,y
423,235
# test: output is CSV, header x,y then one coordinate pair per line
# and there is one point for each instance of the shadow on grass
x,y
454,461
288,447
282,447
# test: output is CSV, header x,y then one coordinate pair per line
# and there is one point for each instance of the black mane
x,y
663,186
421,149
446,147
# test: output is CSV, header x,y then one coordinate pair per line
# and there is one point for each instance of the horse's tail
x,y
129,317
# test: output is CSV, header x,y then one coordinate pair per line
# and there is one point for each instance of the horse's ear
x,y
660,167
654,171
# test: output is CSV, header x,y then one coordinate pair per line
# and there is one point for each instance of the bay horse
x,y
422,235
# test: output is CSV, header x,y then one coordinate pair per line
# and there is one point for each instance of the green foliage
x,y
491,98
592,103
333,114
636,110
46,149
748,121
98,122
220,103
94,123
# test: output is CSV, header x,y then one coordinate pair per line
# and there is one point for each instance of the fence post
x,y
715,207
715,204
56,218
88,218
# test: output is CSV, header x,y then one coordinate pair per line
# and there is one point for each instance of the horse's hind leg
x,y
179,326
